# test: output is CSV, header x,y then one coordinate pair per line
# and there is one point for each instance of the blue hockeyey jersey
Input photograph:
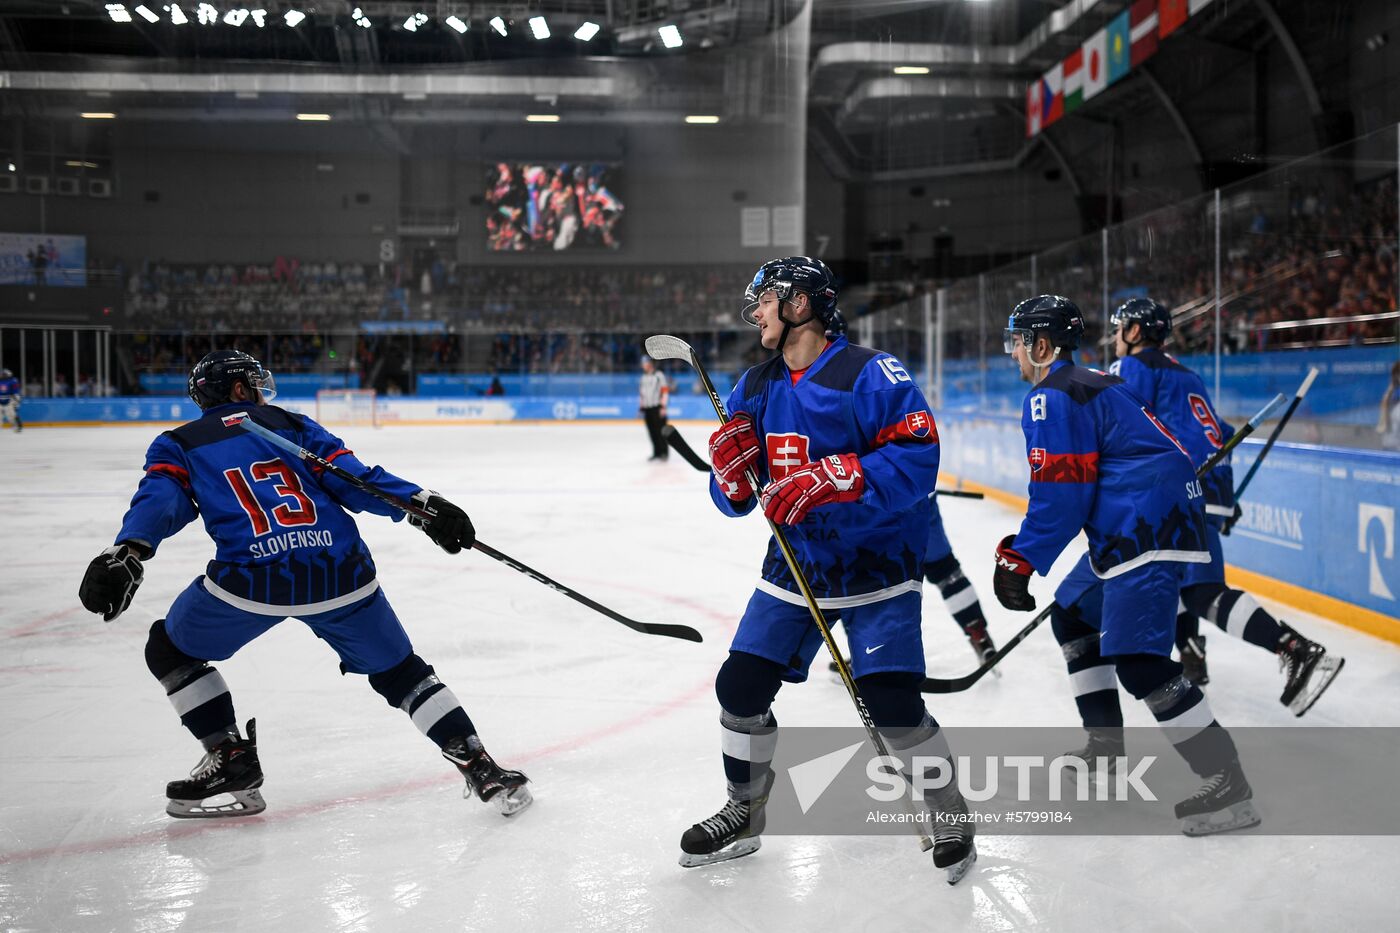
x,y
1178,397
9,388
283,537
1101,461
851,400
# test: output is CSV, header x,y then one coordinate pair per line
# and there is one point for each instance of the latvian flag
x,y
1143,30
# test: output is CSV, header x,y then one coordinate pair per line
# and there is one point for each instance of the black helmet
x,y
797,273
1154,320
212,379
1049,316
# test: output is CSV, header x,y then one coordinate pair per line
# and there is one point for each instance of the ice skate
x,y
1101,753
953,835
731,833
982,645
225,782
485,778
1308,671
1223,803
1193,661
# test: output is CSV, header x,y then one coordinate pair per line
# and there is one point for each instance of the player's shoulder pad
x,y
219,425
1157,358
852,363
756,378
1064,392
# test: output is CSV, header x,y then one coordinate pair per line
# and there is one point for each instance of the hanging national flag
x,y
1142,31
1170,15
1045,101
1118,43
1198,5
1096,64
1073,67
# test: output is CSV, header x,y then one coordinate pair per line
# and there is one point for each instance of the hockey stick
x,y
1269,444
665,347
647,628
958,684
679,445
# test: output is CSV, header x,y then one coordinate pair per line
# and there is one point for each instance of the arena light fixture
x,y
147,14
671,36
259,17
77,163
457,23
206,14
118,12
910,70
541,118
293,17
314,117
360,18
498,24
586,32
97,115
177,15
701,118
236,16
539,27
414,21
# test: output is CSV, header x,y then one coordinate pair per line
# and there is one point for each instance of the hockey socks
x,y
412,686
195,689
1092,677
1235,612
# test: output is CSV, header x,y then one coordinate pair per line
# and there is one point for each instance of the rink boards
x,y
1318,530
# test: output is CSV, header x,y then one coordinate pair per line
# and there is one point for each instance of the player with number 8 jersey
x,y
285,546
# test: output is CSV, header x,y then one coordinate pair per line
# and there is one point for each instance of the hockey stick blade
x,y
959,684
666,347
677,443
667,630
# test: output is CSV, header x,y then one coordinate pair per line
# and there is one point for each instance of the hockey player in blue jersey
x,y
1101,462
846,452
286,546
9,400
1178,397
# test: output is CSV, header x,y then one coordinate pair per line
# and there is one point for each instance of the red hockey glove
x,y
1012,580
834,478
734,448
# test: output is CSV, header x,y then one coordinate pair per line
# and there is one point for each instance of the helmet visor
x,y
1011,337
261,379
754,295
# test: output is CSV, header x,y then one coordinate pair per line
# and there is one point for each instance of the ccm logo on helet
x,y
786,452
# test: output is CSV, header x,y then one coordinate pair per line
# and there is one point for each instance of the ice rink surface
x,y
365,827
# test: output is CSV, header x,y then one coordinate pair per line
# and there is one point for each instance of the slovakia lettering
x,y
280,544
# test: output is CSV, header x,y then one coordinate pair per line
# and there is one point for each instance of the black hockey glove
x,y
111,581
1012,581
449,527
1234,517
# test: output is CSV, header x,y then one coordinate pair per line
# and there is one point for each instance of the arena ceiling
x,y
896,88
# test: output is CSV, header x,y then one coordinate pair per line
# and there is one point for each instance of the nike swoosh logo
x,y
873,650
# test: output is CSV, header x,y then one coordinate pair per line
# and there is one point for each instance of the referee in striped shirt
x,y
652,404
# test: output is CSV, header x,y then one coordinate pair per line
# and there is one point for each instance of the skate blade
x,y
1240,815
234,803
512,800
734,850
961,868
1323,674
